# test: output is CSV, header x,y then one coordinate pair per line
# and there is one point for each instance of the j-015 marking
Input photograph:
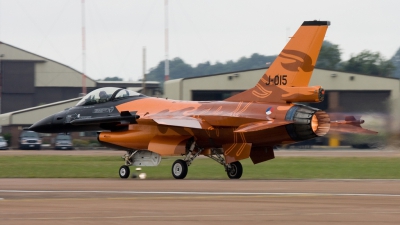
x,y
277,80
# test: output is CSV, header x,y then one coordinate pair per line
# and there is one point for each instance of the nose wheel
x,y
124,172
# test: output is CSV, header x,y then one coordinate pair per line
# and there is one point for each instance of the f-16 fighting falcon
x,y
248,124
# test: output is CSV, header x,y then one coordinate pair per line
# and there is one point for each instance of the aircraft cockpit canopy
x,y
106,94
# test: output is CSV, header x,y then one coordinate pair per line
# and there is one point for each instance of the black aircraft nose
x,y
43,126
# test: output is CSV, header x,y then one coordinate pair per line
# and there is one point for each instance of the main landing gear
x,y
236,170
180,167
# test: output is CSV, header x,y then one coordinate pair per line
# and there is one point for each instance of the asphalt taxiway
x,y
132,201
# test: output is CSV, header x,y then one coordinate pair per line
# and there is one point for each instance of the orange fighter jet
x,y
245,125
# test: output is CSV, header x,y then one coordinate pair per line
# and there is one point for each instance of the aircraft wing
x,y
189,122
208,122
262,125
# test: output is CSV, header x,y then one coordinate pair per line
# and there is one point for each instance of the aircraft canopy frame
x,y
106,94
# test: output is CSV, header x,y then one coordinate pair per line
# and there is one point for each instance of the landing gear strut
x,y
180,167
234,170
124,170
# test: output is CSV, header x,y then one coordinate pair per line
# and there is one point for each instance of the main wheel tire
x,y
124,172
179,169
236,170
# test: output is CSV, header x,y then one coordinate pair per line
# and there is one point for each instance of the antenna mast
x,y
83,50
166,42
144,72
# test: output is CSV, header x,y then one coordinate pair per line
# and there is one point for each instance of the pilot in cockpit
x,y
103,96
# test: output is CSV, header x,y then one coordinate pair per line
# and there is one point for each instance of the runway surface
x,y
132,201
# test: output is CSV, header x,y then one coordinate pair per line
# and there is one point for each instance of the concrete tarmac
x,y
132,201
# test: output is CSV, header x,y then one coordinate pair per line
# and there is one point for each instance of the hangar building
x,y
345,92
32,86
29,80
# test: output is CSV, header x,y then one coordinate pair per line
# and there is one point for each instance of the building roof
x,y
34,114
41,57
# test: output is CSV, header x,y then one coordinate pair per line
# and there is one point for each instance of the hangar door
x,y
212,95
18,85
364,101
355,101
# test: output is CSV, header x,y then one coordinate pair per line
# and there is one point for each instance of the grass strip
x,y
202,168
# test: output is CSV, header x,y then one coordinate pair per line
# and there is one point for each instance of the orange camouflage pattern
x,y
245,125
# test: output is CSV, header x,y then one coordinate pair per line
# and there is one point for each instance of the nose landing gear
x,y
124,171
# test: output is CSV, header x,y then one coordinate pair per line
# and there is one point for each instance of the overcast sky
x,y
199,30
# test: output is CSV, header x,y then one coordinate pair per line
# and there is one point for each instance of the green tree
x,y
180,69
8,138
371,63
156,73
202,69
396,62
329,56
177,67
113,79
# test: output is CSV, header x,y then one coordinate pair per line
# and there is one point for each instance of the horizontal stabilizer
x,y
350,125
349,128
263,125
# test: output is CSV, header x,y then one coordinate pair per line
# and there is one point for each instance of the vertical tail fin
x,y
294,65
298,58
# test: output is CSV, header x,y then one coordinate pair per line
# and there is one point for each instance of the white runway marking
x,y
210,193
202,215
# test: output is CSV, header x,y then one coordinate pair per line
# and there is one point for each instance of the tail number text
x,y
277,80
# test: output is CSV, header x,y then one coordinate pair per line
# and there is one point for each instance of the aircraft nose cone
x,y
43,126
